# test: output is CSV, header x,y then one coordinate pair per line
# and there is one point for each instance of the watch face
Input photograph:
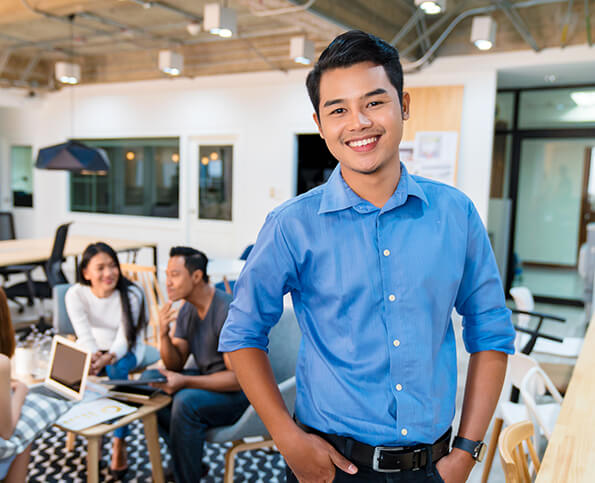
x,y
480,451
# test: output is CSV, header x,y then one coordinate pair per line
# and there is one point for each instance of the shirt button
x,y
396,342
392,297
404,432
399,387
386,253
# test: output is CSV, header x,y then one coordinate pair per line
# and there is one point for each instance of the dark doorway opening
x,y
315,162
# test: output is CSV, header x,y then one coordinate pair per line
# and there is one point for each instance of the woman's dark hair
x,y
7,339
131,329
352,48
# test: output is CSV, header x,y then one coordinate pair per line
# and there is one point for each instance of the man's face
x,y
361,118
179,282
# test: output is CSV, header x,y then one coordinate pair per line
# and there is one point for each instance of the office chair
x,y
53,272
7,232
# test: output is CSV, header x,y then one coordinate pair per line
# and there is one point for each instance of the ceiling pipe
x,y
588,23
564,36
33,61
412,66
121,26
282,11
168,7
412,22
518,22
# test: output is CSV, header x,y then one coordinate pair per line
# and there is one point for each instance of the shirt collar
x,y
337,195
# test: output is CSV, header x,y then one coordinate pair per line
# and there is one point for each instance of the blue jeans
x,y
120,370
184,424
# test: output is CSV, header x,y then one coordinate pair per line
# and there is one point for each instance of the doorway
x,y
555,197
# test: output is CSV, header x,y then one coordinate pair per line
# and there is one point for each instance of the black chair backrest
x,y
59,242
7,226
53,267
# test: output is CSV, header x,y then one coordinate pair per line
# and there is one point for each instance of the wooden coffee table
x,y
148,414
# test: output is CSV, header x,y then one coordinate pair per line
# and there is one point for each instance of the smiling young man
x,y
375,261
209,395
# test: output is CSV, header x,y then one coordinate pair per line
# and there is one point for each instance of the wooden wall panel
x,y
434,109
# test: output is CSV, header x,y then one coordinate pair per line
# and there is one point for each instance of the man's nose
x,y
359,121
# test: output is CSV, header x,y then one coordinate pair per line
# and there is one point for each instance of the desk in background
x,y
33,250
570,454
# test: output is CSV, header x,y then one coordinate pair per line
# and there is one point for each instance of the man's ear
x,y
317,121
197,276
406,105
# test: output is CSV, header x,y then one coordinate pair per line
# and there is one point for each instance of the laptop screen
x,y
68,366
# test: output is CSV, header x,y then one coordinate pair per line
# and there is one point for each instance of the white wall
x,y
262,113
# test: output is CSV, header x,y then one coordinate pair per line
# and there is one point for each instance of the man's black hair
x,y
352,48
193,260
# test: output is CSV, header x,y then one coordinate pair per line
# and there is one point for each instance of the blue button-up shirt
x,y
373,291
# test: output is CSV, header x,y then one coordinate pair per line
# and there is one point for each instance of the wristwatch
x,y
476,449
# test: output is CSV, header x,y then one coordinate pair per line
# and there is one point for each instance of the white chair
x,y
569,347
544,415
509,412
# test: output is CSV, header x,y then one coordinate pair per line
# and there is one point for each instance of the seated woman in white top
x,y
107,313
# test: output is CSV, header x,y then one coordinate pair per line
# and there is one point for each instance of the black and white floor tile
x,y
52,463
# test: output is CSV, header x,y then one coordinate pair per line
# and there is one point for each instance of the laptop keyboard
x,y
45,391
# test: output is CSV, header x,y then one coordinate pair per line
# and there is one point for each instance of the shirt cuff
x,y
490,331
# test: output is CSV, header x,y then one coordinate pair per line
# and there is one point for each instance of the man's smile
x,y
363,144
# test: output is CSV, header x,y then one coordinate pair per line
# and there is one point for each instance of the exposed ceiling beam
x,y
518,22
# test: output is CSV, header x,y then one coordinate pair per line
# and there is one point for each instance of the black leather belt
x,y
386,459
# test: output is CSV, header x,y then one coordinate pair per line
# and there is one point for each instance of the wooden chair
x,y
146,277
512,454
509,412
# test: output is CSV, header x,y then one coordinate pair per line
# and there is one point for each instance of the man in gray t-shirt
x,y
209,395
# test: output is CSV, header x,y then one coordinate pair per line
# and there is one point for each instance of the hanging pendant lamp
x,y
73,156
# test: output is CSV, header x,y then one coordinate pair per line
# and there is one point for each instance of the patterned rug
x,y
51,462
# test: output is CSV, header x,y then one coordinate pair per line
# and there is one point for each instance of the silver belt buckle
x,y
376,458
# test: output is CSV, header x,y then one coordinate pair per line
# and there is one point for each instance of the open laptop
x,y
67,371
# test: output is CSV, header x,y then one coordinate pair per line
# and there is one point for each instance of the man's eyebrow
x,y
375,92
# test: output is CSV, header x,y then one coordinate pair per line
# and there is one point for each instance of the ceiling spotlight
x,y
483,32
171,62
67,73
431,7
193,28
219,20
301,50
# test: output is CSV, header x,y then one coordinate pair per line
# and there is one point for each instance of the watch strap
x,y
475,448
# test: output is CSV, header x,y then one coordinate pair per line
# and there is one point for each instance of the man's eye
x,y
339,110
374,103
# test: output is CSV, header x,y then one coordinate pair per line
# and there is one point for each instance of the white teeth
x,y
364,142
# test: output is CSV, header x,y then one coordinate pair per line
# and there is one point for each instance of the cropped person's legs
x,y
193,412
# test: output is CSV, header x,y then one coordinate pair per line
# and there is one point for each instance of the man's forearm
x,y
482,390
222,381
170,355
254,372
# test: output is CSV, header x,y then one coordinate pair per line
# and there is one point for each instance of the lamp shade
x,y
72,156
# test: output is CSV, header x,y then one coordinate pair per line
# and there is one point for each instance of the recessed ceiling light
x,y
220,20
483,32
301,50
431,7
67,72
171,62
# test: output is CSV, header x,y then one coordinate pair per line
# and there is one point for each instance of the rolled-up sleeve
x,y
269,273
480,300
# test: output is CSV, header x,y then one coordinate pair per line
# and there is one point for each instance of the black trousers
x,y
368,475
